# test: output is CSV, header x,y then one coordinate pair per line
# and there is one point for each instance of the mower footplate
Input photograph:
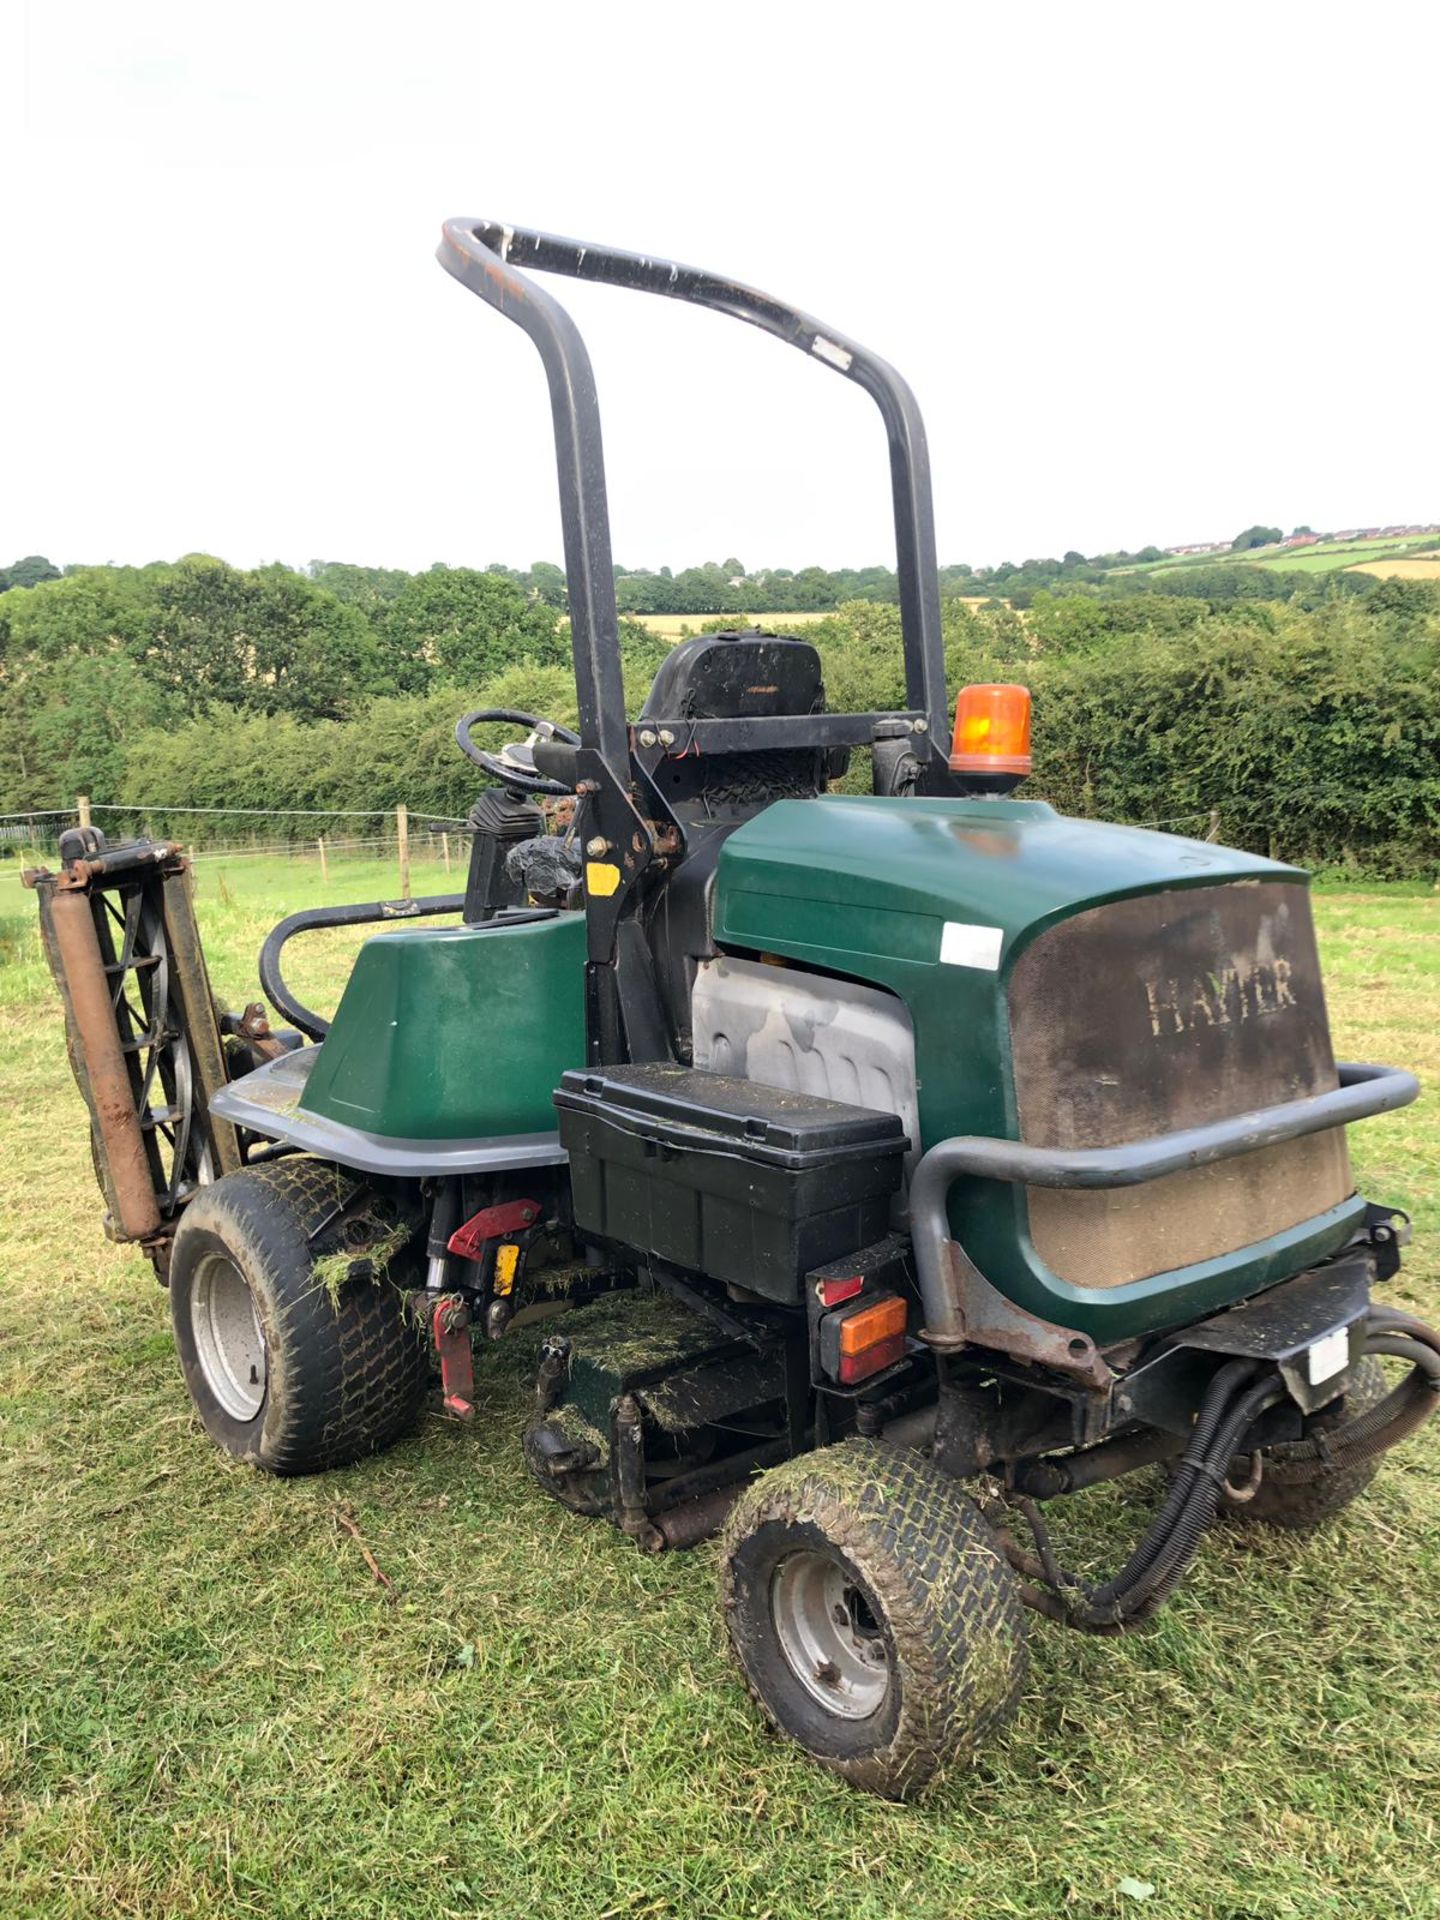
x,y
268,1102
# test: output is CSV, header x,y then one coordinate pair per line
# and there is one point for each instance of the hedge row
x,y
1314,733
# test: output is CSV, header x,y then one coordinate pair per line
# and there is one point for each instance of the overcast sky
x,y
1155,272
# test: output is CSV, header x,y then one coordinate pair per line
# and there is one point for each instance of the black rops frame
x,y
485,256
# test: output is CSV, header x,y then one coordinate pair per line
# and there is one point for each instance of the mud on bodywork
x,y
1149,1015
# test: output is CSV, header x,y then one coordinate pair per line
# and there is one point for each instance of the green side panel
x,y
447,1033
865,887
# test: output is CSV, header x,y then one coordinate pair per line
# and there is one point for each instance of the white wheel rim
x,y
828,1635
228,1341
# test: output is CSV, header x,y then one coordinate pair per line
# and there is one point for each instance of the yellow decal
x,y
601,878
507,1258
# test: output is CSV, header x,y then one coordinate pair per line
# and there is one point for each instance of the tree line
x,y
715,587
1307,711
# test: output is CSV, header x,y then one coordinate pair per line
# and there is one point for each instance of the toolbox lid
x,y
733,1114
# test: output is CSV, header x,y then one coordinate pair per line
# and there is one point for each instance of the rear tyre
x,y
1285,1499
876,1620
292,1370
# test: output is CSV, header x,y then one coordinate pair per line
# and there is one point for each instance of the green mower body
x,y
1188,973
447,1033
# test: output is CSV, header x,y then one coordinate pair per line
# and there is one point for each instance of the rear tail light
x,y
834,1293
865,1341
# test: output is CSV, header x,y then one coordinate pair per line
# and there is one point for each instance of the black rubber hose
x,y
1218,1396
1374,1432
1233,1403
1169,1566
1106,1608
1406,1407
1390,1320
1391,1420
1403,1346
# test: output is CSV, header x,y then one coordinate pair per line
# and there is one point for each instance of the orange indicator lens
x,y
870,1325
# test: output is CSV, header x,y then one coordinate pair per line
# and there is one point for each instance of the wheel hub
x,y
829,1636
228,1340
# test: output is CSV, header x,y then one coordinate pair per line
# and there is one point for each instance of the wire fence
x,y
400,836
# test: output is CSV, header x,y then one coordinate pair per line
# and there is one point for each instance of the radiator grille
x,y
1167,1011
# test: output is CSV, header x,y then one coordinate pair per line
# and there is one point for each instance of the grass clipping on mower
x,y
368,1260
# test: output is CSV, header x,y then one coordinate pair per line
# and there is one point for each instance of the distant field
x,y
673,626
1420,566
1326,556
1330,556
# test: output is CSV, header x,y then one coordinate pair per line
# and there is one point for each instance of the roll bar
x,y
486,256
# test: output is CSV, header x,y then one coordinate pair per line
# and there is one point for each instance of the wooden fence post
x,y
1212,832
445,850
402,837
324,870
82,807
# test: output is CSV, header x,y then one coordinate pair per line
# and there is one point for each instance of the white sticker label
x,y
1329,1356
832,351
967,946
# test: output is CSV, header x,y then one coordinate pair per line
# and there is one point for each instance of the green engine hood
x,y
936,900
867,886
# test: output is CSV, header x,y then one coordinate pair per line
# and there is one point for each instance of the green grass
x,y
1330,558
208,1705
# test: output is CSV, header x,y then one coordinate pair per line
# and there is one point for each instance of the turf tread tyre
x,y
345,1368
1300,1504
930,1568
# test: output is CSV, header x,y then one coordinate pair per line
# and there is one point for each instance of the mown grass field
x,y
209,1707
1331,555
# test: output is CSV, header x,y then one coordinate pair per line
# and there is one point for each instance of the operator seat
x,y
740,676
724,676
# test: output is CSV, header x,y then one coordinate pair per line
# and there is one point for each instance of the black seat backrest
x,y
733,676
739,676
723,676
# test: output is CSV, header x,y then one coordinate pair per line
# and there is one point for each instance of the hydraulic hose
x,y
1235,1399
1173,1560
1232,1403
1230,1378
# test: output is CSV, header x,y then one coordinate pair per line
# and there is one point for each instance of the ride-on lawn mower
x,y
887,1164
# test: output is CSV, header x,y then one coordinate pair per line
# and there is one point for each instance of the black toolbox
x,y
725,1177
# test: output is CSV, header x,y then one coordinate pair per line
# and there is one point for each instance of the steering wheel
x,y
514,765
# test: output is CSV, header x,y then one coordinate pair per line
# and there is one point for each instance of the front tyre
x,y
876,1620
290,1370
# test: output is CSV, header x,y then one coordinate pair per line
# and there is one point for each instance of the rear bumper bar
x,y
1363,1092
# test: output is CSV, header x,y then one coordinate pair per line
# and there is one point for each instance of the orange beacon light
x,y
992,731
